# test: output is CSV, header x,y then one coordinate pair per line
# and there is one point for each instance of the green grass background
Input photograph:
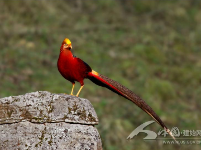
x,y
151,47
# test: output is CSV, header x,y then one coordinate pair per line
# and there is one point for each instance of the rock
x,y
42,106
27,135
42,120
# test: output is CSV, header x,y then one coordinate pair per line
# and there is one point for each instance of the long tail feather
x,y
114,86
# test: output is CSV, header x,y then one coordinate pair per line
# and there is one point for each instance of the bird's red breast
x,y
71,67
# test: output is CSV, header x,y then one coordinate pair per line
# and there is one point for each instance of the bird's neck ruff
x,y
66,53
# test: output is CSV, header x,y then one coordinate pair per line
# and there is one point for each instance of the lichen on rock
x,y
42,106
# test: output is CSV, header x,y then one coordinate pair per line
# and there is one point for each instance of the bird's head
x,y
66,44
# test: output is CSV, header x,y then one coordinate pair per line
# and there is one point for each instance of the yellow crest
x,y
67,41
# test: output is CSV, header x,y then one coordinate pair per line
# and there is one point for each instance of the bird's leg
x,y
79,90
72,89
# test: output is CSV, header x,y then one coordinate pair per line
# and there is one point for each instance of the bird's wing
x,y
84,66
114,86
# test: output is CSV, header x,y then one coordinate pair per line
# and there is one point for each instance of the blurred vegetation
x,y
151,47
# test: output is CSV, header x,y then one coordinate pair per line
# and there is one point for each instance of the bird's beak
x,y
68,46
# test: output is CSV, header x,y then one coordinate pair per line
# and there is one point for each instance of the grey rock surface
x,y
42,106
62,136
42,120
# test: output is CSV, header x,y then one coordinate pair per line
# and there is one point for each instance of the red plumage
x,y
74,69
